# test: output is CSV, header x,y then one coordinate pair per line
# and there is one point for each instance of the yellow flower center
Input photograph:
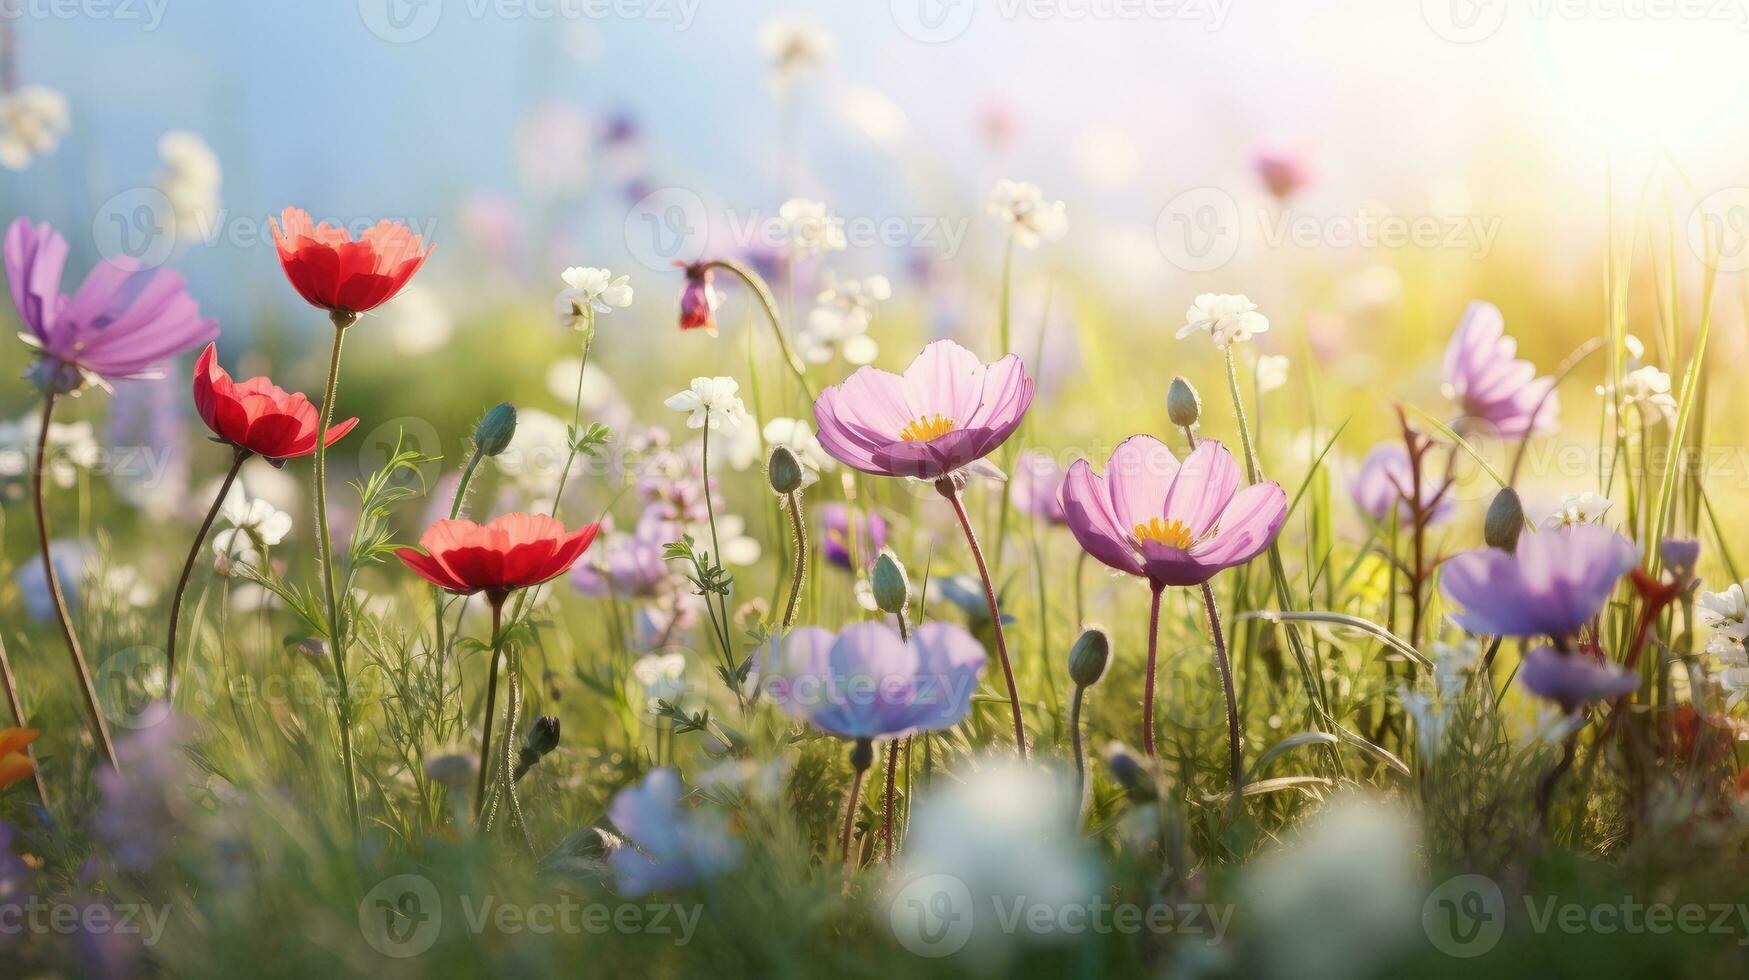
x,y
925,428
1172,534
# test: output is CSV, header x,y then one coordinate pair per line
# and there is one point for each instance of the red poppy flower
x,y
698,301
332,271
513,552
258,415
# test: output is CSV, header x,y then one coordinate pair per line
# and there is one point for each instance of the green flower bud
x,y
1505,520
1183,405
543,735
784,471
891,586
1088,657
492,435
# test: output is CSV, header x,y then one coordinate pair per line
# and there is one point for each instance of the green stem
x,y
576,409
238,456
1148,678
799,530
756,283
325,552
1236,753
952,494
80,668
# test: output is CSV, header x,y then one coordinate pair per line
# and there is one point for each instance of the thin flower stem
x,y
959,508
1148,680
80,668
887,804
439,598
238,457
42,794
1251,469
1235,745
325,553
799,529
576,410
1075,747
756,283
497,603
861,757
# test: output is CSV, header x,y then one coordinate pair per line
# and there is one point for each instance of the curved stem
x,y
80,668
1251,471
959,509
576,412
1235,745
239,455
325,553
756,283
439,598
1148,682
497,603
800,531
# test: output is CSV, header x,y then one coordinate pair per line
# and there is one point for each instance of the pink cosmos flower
x,y
1490,383
124,322
1172,523
947,410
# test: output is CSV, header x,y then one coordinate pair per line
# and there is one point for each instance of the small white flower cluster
x,y
1727,615
812,228
32,122
72,447
1643,387
1030,218
1579,508
589,291
713,402
793,48
189,182
255,525
839,325
1228,318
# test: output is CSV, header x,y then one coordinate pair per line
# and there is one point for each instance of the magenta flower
x,y
946,411
1036,487
123,322
1573,680
1283,173
867,682
1169,522
1385,478
871,535
1554,583
1490,384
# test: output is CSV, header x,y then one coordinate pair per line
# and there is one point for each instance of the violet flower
x,y
1573,680
946,411
868,682
145,800
1167,522
123,322
871,534
1385,478
1491,384
1036,486
1556,582
674,847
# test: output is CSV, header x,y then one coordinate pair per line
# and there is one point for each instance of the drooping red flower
x,y
331,270
258,415
512,552
698,301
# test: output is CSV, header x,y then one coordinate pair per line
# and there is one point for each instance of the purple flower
x,y
123,322
1036,487
630,566
145,802
1490,384
868,683
1555,582
1385,478
1171,523
871,535
948,410
675,847
1573,680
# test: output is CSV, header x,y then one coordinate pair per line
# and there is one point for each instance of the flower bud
x,y
493,434
1131,771
891,586
1505,520
1680,555
1183,406
784,471
543,735
1088,657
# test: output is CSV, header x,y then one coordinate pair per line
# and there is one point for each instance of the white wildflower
x,y
1271,373
72,448
255,524
1227,317
663,676
811,228
32,122
589,291
839,325
1727,615
1579,508
793,47
189,182
1030,218
712,402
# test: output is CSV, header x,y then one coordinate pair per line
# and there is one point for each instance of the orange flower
x,y
15,762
